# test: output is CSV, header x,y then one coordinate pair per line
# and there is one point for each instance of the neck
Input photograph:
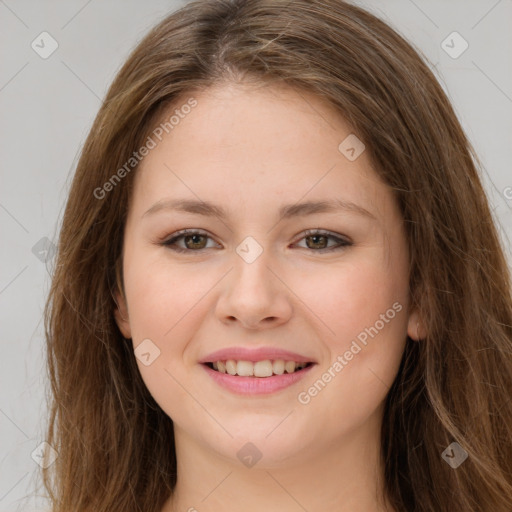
x,y
345,476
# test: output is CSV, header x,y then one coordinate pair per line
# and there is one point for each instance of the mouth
x,y
256,378
258,369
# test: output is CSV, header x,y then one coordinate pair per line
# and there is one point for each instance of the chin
x,y
261,444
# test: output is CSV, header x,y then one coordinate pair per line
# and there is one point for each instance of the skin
x,y
252,149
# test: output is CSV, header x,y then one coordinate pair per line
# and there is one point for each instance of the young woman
x,y
279,285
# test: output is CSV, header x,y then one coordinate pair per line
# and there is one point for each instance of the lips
x,y
253,385
256,354
256,371
265,368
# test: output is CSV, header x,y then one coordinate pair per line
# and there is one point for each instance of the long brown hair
x,y
115,444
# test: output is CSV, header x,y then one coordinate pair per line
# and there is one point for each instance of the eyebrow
x,y
208,209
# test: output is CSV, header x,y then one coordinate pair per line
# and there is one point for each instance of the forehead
x,y
248,145
243,118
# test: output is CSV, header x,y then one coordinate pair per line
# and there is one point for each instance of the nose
x,y
255,295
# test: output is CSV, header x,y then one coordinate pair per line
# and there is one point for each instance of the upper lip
x,y
255,354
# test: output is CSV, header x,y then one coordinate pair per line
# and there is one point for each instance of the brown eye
x,y
194,241
318,241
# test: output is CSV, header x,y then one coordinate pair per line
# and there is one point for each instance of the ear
x,y
121,315
415,327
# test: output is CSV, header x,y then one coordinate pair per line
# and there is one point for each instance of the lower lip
x,y
256,385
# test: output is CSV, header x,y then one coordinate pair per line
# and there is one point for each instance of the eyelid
x,y
324,232
169,241
342,240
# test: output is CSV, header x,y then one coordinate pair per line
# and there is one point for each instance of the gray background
x,y
48,105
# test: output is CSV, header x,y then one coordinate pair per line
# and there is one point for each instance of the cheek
x,y
366,310
160,296
350,298
164,307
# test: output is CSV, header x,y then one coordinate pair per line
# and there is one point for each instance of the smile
x,y
262,369
256,378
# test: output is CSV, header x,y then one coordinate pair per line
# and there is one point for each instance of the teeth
x,y
231,367
245,369
264,368
289,366
278,367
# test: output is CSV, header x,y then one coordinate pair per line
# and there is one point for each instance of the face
x,y
262,277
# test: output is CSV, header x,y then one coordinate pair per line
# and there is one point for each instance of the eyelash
x,y
170,243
